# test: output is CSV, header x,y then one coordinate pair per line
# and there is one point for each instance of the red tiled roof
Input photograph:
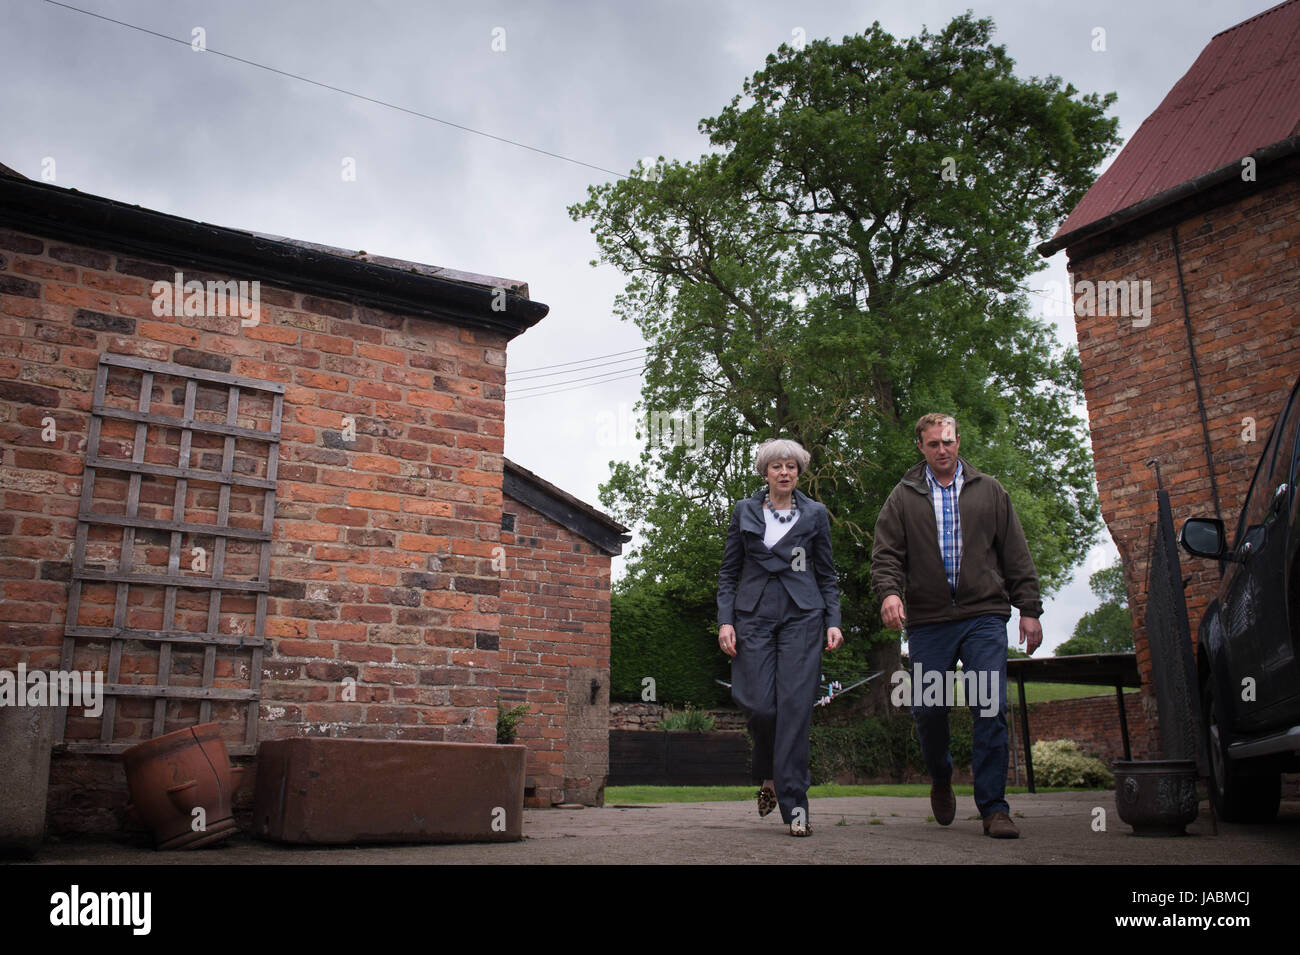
x,y
1242,94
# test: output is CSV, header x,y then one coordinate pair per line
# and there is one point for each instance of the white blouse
x,y
776,529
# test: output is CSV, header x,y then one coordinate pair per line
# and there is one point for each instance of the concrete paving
x,y
1056,828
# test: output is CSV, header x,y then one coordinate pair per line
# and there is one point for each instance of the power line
x,y
379,102
579,361
339,89
571,388
570,371
606,374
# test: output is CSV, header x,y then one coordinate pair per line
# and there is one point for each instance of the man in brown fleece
x,y
949,542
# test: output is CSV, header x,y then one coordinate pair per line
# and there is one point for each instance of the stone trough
x,y
318,791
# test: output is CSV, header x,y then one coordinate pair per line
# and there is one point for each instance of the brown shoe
x,y
943,803
999,826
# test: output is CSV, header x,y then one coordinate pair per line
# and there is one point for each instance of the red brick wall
x,y
554,642
382,553
1241,271
1093,723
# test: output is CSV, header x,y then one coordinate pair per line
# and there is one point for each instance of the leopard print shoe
x,y
766,801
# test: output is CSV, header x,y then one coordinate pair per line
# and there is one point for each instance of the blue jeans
x,y
981,645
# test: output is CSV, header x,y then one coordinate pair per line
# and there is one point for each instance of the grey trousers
x,y
774,678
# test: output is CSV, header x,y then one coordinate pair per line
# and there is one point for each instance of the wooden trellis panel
x,y
189,480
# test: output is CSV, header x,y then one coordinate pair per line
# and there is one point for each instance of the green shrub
x,y
508,722
1059,762
962,744
689,720
875,747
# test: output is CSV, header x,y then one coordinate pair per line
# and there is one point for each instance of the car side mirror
x,y
1204,537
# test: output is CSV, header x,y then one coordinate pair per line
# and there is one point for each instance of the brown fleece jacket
x,y
996,569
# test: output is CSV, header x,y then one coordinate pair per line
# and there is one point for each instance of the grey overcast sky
x,y
136,118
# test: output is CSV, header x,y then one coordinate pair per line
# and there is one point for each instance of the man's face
x,y
939,443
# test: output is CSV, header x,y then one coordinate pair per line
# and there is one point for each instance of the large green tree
x,y
849,255
1108,629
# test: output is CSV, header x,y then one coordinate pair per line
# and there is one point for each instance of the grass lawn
x,y
633,795
1040,692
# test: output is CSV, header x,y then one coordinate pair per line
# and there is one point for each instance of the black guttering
x,y
563,508
1224,175
70,216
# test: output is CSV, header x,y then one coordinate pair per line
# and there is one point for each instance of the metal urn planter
x,y
1157,797
172,776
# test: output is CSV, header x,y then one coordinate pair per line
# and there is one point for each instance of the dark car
x,y
1248,648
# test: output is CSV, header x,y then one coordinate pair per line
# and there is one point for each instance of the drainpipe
x,y
1196,377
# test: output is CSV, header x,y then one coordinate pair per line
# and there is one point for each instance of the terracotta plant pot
x,y
1157,797
175,774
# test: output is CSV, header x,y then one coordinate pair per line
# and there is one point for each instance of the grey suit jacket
x,y
801,560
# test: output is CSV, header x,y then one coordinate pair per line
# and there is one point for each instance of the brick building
x,y
276,504
1185,262
555,635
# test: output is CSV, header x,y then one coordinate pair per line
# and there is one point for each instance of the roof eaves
x,y
1226,173
435,271
53,211
562,507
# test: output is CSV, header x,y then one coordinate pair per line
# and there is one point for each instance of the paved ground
x,y
1055,828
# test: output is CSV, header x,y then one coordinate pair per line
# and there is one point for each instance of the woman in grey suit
x,y
777,594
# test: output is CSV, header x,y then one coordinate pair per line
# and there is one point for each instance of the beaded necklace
x,y
794,508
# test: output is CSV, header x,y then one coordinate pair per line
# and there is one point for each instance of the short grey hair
x,y
778,449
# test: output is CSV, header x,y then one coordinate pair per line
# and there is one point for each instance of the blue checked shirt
x,y
947,517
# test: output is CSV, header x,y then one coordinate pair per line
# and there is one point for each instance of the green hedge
x,y
881,746
673,643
